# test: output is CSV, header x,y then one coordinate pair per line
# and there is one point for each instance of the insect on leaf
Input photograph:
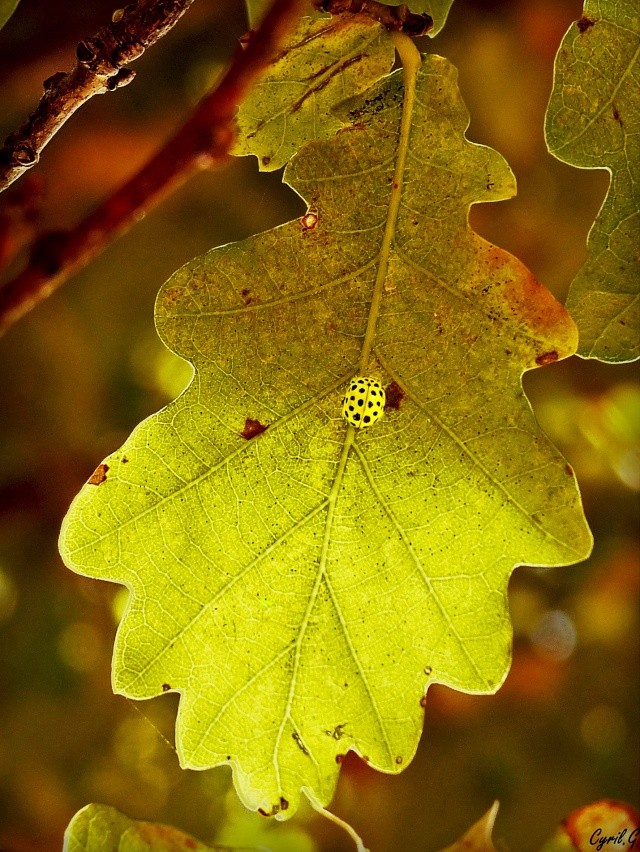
x,y
301,582
593,121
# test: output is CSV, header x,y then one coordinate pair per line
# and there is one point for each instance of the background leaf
x,y
479,837
301,588
99,828
7,8
438,9
593,121
324,63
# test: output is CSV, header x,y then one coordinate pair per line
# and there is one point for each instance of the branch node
x,y
85,53
21,155
122,78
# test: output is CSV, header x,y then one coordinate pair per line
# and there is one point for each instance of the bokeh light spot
x,y
603,728
554,636
79,646
8,596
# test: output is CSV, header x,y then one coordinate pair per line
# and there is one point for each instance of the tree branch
x,y
392,17
205,138
99,68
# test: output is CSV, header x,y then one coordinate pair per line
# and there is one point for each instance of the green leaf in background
x,y
99,828
298,582
7,8
593,121
240,827
438,9
324,63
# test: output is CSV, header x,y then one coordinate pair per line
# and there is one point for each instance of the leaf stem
x,y
205,138
411,61
315,804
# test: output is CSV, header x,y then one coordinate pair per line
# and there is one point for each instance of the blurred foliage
x,y
86,366
99,828
7,8
592,122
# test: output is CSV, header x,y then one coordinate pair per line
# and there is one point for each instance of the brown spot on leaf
x,y
585,23
284,804
154,836
166,687
568,470
517,297
266,161
337,732
616,116
295,736
547,358
309,221
395,395
125,460
428,670
246,295
252,428
339,758
399,760
99,475
274,810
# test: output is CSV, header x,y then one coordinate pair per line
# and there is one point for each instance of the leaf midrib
x,y
411,62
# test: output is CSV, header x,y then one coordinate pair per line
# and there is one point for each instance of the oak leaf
x,y
302,584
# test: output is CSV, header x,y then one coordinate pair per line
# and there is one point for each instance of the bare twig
x,y
398,18
206,137
100,67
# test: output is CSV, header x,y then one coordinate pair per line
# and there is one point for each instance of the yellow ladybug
x,y
363,402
